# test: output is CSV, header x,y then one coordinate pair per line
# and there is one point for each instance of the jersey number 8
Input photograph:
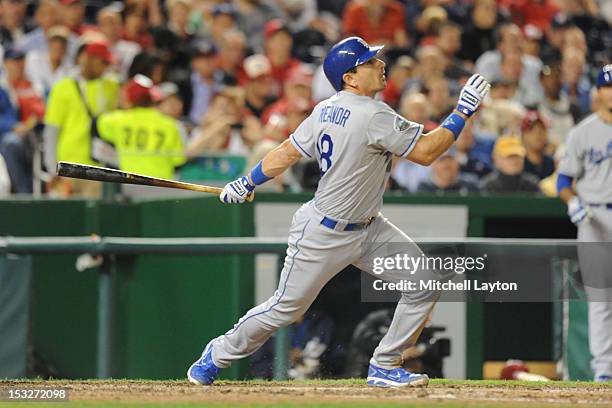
x,y
325,147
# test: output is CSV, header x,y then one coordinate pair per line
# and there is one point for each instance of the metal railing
x,y
113,246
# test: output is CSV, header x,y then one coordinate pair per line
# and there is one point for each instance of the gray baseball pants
x,y
316,254
596,267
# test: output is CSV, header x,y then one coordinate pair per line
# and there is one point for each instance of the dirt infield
x,y
351,392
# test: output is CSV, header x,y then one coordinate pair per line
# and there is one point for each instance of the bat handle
x,y
251,197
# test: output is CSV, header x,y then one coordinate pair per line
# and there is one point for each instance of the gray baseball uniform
x,y
353,138
588,159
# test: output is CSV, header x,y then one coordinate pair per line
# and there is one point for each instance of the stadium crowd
x,y
237,77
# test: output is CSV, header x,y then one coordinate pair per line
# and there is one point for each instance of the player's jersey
x,y
588,158
147,141
353,138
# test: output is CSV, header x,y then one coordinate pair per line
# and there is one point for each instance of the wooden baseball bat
x,y
83,171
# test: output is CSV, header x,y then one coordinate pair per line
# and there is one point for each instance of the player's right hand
x,y
577,211
237,191
472,94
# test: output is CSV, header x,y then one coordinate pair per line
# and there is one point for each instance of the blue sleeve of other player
x,y
564,182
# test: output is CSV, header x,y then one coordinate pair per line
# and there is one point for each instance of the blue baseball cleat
x,y
603,378
397,377
204,371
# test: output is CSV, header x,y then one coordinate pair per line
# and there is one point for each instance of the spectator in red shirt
x,y
278,43
538,13
260,87
401,71
232,49
297,86
376,21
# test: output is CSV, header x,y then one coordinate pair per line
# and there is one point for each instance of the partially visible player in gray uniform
x,y
588,160
353,138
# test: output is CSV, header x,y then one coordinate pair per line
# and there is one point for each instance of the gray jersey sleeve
x,y
571,163
392,132
303,139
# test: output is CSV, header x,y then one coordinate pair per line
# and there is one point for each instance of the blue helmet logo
x,y
345,55
605,76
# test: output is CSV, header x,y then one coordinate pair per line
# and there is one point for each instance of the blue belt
x,y
608,206
356,226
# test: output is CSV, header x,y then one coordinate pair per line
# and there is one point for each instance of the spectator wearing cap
x,y
16,144
535,138
259,90
147,141
232,50
281,125
297,85
380,22
74,102
13,23
446,177
110,24
45,68
509,175
136,24
204,81
72,15
170,102
430,63
551,48
278,44
427,24
224,17
252,17
533,40
402,70
556,106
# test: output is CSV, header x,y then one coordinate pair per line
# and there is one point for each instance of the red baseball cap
x,y
141,89
299,75
274,26
532,117
100,50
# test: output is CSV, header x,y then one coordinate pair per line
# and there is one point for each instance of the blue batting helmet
x,y
345,55
605,76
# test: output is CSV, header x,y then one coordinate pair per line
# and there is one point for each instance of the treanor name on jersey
x,y
334,114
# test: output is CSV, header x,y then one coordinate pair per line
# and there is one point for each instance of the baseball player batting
x,y
352,136
588,160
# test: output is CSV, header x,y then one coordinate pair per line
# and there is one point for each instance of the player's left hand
x,y
577,211
237,191
472,94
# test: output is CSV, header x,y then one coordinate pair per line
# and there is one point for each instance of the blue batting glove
x,y
237,191
472,94
577,211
